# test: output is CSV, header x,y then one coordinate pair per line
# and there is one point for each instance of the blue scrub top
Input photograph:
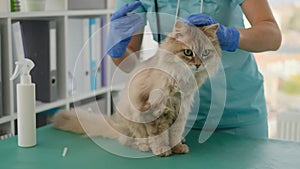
x,y
245,102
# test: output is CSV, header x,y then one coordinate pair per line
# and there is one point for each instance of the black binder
x,y
1,86
39,40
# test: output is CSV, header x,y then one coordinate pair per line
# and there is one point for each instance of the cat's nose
x,y
197,65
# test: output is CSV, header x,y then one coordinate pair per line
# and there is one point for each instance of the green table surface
x,y
221,151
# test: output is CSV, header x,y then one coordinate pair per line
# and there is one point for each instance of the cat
x,y
154,105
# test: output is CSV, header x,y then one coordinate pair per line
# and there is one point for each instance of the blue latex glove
x,y
122,27
228,37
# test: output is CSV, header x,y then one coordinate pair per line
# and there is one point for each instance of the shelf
x,y
88,95
117,87
39,14
62,16
51,14
47,106
3,15
40,107
5,119
83,13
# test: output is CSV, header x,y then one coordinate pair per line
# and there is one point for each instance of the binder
x,y
1,86
74,47
78,65
39,40
55,5
94,40
85,56
103,58
18,52
86,4
18,47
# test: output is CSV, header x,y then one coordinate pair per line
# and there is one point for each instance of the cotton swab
x,y
65,151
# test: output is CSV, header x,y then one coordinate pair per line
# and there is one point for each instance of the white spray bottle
x,y
25,103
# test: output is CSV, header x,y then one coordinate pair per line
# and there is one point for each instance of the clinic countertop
x,y
221,151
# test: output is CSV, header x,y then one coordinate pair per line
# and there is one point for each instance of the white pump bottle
x,y
25,104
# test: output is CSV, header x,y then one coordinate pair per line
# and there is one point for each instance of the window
x,y
281,71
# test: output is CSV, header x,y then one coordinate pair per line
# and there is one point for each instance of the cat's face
x,y
198,47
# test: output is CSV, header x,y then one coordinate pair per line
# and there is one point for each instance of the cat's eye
x,y
205,53
188,52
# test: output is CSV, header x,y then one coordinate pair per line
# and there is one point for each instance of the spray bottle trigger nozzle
x,y
23,67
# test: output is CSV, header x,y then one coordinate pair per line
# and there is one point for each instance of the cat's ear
x,y
211,30
179,25
180,29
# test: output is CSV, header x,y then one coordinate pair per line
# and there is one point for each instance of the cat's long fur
x,y
154,106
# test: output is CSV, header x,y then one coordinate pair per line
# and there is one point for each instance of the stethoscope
x,y
176,16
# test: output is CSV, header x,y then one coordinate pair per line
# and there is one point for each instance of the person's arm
x,y
133,46
126,33
264,33
125,63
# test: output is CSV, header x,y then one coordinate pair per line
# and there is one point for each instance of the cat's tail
x,y
88,123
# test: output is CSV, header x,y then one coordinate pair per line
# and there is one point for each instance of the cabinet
x,y
56,10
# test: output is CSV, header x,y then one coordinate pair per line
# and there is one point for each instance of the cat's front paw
x,y
180,149
162,151
143,147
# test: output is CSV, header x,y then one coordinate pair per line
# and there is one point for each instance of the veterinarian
x,y
245,106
